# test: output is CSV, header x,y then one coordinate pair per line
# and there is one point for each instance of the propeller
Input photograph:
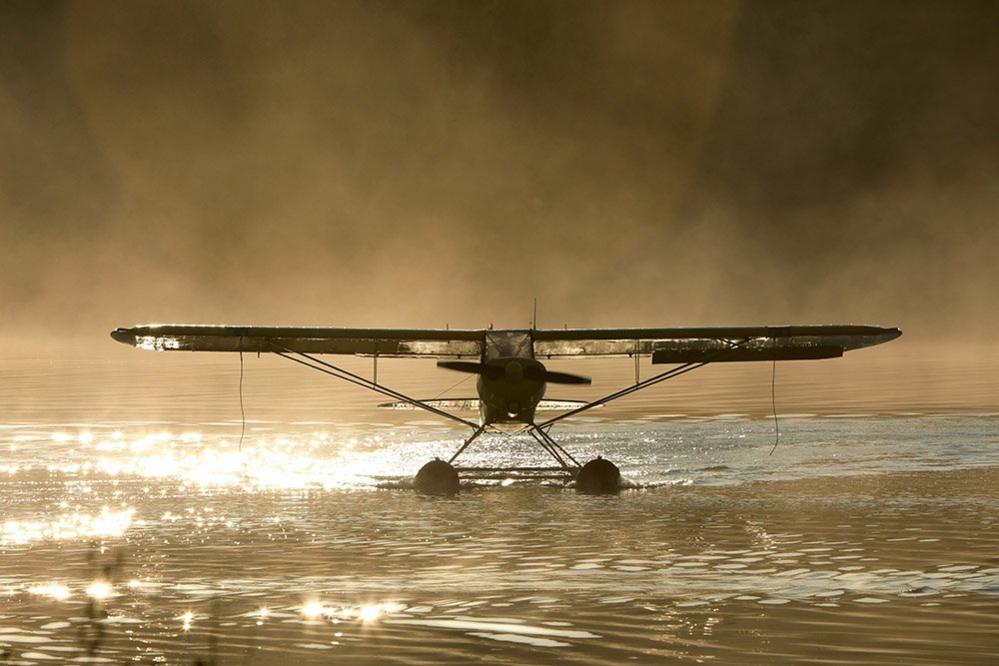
x,y
552,377
532,372
488,371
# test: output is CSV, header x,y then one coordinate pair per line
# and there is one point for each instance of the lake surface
x,y
135,527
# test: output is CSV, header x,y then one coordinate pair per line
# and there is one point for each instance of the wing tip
x,y
126,336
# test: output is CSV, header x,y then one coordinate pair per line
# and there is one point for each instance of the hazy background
x,y
424,163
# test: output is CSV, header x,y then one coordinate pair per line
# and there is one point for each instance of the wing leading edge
x,y
664,345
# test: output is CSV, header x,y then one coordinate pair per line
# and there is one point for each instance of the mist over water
x,y
426,163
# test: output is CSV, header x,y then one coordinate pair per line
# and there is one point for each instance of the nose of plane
x,y
514,372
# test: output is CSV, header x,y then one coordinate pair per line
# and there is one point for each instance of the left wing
x,y
394,342
713,343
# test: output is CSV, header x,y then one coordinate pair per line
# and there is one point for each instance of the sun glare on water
x,y
365,613
313,610
67,526
99,590
288,461
52,590
373,612
93,461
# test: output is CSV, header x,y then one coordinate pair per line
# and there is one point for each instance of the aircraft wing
x,y
664,345
393,342
712,344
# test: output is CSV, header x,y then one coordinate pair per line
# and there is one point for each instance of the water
x,y
135,528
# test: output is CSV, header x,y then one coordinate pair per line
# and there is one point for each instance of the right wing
x,y
392,342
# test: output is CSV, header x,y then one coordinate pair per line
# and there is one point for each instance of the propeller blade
x,y
496,372
472,367
461,366
565,378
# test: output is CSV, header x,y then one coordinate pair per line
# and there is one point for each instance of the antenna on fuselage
x,y
534,319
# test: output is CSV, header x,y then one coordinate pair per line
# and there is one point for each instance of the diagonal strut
x,y
338,372
661,377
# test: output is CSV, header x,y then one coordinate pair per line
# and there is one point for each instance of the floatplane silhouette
x,y
512,378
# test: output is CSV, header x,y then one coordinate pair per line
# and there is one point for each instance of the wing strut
x,y
661,377
338,372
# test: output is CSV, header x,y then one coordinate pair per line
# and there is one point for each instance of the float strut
x,y
468,441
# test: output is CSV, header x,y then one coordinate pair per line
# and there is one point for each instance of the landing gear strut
x,y
438,477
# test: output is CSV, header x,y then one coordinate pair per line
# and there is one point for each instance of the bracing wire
x,y
452,386
242,411
773,404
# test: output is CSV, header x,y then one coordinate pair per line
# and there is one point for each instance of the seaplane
x,y
512,377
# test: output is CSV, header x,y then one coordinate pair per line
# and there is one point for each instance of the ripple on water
x,y
222,535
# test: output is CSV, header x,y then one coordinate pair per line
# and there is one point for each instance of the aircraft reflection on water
x,y
511,378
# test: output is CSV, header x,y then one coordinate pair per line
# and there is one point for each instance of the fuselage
x,y
511,391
